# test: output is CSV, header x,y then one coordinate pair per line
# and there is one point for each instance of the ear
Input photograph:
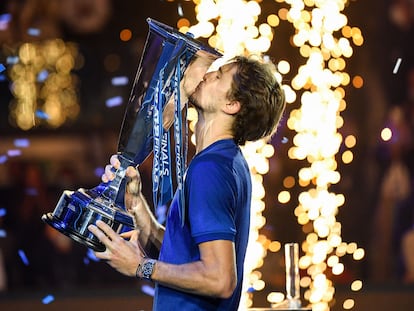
x,y
232,107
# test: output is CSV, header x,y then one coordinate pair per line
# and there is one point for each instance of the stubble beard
x,y
194,102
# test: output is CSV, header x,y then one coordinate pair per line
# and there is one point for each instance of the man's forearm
x,y
151,231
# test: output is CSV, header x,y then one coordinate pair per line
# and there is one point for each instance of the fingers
x,y
129,234
104,233
114,161
114,164
134,185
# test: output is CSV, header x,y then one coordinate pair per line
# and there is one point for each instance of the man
x,y
200,263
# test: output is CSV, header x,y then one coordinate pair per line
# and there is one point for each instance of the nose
x,y
206,75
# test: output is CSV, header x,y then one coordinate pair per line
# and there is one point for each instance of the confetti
x,y
3,212
397,66
31,192
42,115
99,171
21,143
2,78
285,140
48,299
35,32
12,60
90,255
146,289
14,152
3,159
119,81
23,257
42,76
180,10
4,21
2,68
114,101
3,233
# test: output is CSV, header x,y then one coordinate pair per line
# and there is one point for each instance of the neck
x,y
210,130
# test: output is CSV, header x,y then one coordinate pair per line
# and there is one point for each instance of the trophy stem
x,y
110,191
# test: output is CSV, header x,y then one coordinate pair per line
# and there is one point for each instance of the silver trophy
x,y
166,51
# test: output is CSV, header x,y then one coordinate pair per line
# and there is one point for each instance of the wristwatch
x,y
144,270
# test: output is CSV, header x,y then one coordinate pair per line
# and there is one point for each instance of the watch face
x,y
147,269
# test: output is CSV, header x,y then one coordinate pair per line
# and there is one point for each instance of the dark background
x,y
376,216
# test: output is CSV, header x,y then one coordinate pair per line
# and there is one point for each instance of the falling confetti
x,y
2,68
12,60
21,143
3,233
3,159
31,192
23,257
180,10
42,76
48,299
117,81
114,101
397,66
35,32
4,21
3,212
146,289
99,171
14,152
42,115
90,255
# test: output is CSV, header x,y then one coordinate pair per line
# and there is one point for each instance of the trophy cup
x,y
166,56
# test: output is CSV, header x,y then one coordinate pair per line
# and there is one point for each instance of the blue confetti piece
x,y
3,159
2,78
285,140
42,115
48,299
42,76
119,81
14,152
21,142
2,67
23,257
99,171
3,212
31,192
5,18
149,290
90,254
4,21
114,101
3,233
12,60
35,32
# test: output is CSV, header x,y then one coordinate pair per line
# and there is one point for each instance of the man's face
x,y
214,90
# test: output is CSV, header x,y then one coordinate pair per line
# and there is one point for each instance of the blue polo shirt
x,y
217,191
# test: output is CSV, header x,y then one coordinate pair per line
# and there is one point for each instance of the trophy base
x,y
61,227
76,210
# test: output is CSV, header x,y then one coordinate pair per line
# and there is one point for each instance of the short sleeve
x,y
211,197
